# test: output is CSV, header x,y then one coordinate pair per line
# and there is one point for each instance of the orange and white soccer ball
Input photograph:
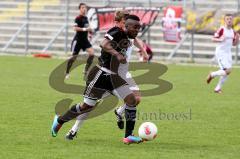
x,y
147,131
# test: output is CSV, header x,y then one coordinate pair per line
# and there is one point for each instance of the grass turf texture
x,y
27,109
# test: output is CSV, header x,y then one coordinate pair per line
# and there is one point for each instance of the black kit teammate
x,y
80,40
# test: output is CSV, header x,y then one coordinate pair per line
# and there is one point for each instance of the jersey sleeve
x,y
219,32
148,49
113,35
76,22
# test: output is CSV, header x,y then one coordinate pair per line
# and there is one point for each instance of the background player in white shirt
x,y
226,37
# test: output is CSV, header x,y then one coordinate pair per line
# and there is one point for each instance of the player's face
x,y
122,24
83,9
132,28
228,21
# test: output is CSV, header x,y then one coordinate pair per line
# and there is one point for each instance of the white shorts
x,y
130,81
131,85
121,91
224,61
124,74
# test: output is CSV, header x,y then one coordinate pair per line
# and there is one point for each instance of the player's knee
x,y
138,100
137,96
131,100
85,107
228,71
90,52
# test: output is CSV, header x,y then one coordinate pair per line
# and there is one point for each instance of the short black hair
x,y
81,4
133,17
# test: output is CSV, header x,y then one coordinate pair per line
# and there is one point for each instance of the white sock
x,y
218,73
121,109
221,81
80,120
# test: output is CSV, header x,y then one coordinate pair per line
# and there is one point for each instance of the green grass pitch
x,y
27,108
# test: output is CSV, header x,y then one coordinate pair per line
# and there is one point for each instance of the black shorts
x,y
99,83
77,45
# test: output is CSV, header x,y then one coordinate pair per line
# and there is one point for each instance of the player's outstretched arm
x,y
139,44
216,39
76,28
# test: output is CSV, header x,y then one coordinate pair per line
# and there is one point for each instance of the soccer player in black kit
x,y
120,17
80,40
104,78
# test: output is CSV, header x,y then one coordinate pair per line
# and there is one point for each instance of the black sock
x,y
89,62
69,64
130,115
72,113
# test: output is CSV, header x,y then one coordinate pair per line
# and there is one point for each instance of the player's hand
x,y
237,36
89,29
121,58
145,56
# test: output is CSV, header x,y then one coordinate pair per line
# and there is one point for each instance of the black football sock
x,y
69,65
89,62
72,113
130,116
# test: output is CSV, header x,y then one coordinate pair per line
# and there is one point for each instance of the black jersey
x,y
82,22
120,42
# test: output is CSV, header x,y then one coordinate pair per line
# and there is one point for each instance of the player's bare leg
x,y
223,74
222,79
212,75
